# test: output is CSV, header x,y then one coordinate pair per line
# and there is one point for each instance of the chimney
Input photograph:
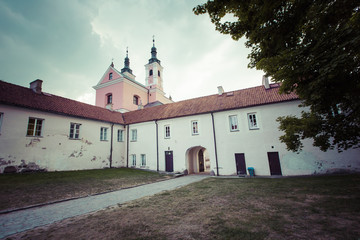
x,y
265,82
220,90
36,86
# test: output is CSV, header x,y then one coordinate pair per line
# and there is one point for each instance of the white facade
x,y
255,144
54,150
172,137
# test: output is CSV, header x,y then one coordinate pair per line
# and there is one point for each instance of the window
x,y
167,131
133,159
34,127
159,73
136,100
74,130
195,127
143,160
150,72
1,119
120,136
233,121
103,134
109,99
110,76
253,123
133,135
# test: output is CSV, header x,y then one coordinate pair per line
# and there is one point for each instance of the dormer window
x,y
136,100
150,72
110,76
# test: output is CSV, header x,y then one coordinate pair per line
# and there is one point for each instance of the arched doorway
x,y
197,160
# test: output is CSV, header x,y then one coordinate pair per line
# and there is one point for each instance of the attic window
x,y
110,76
230,94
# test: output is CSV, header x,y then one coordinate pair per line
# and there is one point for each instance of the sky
x,y
69,44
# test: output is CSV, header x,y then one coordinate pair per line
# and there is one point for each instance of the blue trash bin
x,y
251,171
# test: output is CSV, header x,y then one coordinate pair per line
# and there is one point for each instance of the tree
x,y
312,48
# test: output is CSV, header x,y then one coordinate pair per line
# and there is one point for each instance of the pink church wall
x,y
115,75
122,96
129,91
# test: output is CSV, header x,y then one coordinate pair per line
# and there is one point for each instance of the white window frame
x,y
120,135
1,120
195,127
36,130
133,162
167,131
133,135
74,131
103,134
143,160
233,123
253,121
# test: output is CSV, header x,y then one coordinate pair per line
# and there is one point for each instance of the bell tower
x,y
154,71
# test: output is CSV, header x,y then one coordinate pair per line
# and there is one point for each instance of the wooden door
x,y
169,164
274,163
201,161
240,163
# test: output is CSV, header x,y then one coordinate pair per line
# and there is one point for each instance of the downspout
x,y
157,147
111,145
148,97
216,158
127,145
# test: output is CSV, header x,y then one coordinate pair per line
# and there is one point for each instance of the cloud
x,y
70,43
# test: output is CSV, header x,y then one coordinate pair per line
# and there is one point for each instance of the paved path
x,y
22,220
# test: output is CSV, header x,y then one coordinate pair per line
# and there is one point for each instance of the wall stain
x,y
33,142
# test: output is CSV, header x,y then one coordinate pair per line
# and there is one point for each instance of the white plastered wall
x,y
54,151
145,144
182,140
256,143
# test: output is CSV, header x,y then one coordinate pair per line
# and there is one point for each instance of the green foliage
x,y
310,47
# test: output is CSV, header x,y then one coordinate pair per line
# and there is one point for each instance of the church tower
x,y
154,76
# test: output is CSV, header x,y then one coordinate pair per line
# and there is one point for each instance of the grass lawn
x,y
321,207
21,190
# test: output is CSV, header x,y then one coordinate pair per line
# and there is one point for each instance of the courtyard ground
x,y
22,190
318,207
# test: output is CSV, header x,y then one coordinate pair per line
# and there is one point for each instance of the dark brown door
x,y
169,165
201,161
274,163
240,163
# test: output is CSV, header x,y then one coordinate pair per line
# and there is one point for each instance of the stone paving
x,y
22,220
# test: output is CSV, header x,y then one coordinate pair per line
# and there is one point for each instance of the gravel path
x,y
18,221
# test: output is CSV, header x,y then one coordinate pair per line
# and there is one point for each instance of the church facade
x,y
136,125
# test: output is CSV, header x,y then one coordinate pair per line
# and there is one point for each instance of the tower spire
x,y
126,63
153,53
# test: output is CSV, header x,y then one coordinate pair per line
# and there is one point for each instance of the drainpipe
x,y
157,147
127,145
216,158
111,144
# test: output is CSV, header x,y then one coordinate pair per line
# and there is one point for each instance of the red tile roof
x,y
231,100
11,94
24,97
